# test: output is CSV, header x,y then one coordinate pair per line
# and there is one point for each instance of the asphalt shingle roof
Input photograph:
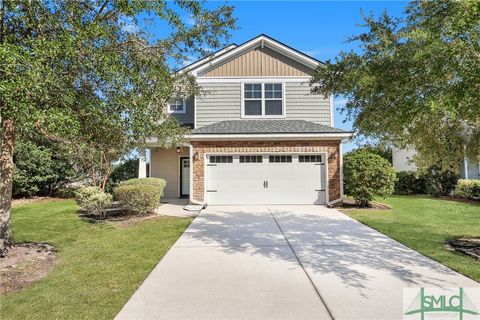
x,y
265,126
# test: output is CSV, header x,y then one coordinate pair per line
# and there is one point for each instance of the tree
x,y
415,81
40,169
367,175
88,74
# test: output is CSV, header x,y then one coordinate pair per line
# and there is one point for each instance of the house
x,y
259,136
402,160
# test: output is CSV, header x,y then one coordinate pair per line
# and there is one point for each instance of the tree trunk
x,y
6,176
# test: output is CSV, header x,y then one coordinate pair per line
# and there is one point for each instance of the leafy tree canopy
x,y
88,74
415,81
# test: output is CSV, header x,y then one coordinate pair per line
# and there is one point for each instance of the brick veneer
x,y
331,147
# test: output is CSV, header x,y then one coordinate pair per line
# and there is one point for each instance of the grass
x,y
424,224
99,267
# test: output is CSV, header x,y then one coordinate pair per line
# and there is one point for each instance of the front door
x,y
184,176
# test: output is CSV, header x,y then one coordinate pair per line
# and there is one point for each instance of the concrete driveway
x,y
283,262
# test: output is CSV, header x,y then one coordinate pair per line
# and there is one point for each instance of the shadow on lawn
x,y
325,242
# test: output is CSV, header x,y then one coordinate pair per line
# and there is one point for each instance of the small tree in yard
x,y
367,176
85,74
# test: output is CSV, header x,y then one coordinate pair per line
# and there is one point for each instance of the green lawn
x,y
99,267
423,224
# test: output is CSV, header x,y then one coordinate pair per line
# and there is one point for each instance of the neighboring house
x,y
402,161
259,136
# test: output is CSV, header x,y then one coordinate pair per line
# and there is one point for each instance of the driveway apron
x,y
283,262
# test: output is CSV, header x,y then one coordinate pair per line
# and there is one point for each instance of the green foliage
x,y
93,200
367,176
158,182
138,198
89,75
39,170
410,183
468,188
414,81
382,151
125,170
440,182
65,192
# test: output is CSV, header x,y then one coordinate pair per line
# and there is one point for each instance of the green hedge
x,y
468,189
409,182
93,200
139,198
160,183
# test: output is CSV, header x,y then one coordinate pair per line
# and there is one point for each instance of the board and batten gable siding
x,y
223,101
259,62
189,116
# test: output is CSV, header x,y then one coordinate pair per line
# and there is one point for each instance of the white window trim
x,y
262,116
183,111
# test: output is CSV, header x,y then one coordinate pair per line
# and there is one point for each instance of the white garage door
x,y
265,179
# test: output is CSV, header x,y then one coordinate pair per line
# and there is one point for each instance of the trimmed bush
x,y
409,182
469,189
139,198
367,176
440,182
93,200
128,169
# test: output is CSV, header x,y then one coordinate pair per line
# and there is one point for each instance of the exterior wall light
x,y
196,156
178,150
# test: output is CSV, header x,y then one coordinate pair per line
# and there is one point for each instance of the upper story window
x,y
263,100
176,106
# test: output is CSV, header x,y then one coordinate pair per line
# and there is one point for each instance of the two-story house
x,y
259,135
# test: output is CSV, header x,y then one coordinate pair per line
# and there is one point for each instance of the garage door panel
x,y
278,180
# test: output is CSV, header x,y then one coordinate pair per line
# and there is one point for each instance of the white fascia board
x,y
282,136
253,79
253,43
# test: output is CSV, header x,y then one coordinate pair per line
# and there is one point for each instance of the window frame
x,y
263,99
183,104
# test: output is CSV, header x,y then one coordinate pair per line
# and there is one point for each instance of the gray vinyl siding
x,y
300,104
473,170
219,102
222,101
189,116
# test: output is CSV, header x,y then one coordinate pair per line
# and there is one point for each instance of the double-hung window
x,y
263,100
176,106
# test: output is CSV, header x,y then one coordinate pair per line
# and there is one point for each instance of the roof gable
x,y
278,55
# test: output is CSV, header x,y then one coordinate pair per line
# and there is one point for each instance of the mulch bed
x,y
24,264
467,246
459,199
352,205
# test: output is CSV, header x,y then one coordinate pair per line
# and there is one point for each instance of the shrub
x,y
440,182
128,169
139,198
93,200
469,189
409,182
39,169
65,192
367,176
157,182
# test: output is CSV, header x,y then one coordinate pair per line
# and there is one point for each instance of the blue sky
x,y
318,28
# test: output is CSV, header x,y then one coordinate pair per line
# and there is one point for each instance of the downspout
x,y
465,162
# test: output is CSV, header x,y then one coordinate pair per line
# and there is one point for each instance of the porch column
x,y
142,165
